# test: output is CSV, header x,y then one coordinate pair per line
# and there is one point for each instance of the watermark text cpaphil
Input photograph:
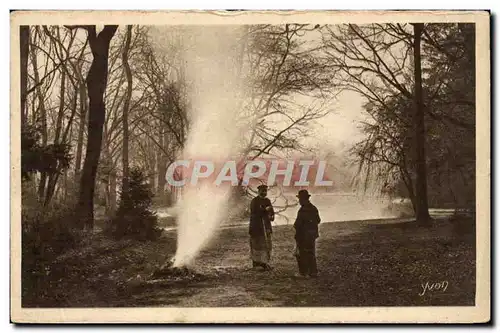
x,y
288,173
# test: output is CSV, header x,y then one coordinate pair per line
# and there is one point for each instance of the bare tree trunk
x,y
53,177
41,186
107,210
152,178
162,165
24,41
51,186
126,107
81,129
97,78
65,193
406,177
112,192
43,119
60,113
422,212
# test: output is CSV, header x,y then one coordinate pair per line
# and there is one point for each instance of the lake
x,y
333,207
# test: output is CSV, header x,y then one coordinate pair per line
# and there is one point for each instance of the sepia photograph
x,y
245,166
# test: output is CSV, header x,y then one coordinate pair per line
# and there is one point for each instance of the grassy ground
x,y
361,264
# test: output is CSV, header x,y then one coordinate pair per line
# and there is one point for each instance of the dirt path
x,y
360,264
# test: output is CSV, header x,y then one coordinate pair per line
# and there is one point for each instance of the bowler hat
x,y
303,194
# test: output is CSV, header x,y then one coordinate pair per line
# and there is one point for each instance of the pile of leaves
x,y
169,271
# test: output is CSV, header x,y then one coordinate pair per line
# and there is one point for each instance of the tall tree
x,y
96,85
372,60
449,68
41,95
422,212
160,121
24,37
63,128
126,107
81,127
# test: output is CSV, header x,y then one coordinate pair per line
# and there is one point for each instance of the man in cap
x,y
306,233
261,216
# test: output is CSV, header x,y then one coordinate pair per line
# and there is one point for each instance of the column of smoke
x,y
214,96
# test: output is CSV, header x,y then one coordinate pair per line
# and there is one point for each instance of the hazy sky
x,y
337,129
340,127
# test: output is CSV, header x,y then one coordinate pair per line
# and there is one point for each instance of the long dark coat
x,y
260,217
306,224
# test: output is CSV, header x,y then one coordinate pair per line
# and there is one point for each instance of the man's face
x,y
302,200
262,192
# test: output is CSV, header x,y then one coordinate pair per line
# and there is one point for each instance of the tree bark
x,y
81,129
82,93
126,107
422,209
53,177
41,187
162,166
112,192
43,119
24,44
97,78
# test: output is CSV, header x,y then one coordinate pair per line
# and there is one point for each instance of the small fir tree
x,y
134,217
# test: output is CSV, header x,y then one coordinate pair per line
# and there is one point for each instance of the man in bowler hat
x,y
306,233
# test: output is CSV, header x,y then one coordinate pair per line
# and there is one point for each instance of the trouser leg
x,y
302,259
313,267
309,250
